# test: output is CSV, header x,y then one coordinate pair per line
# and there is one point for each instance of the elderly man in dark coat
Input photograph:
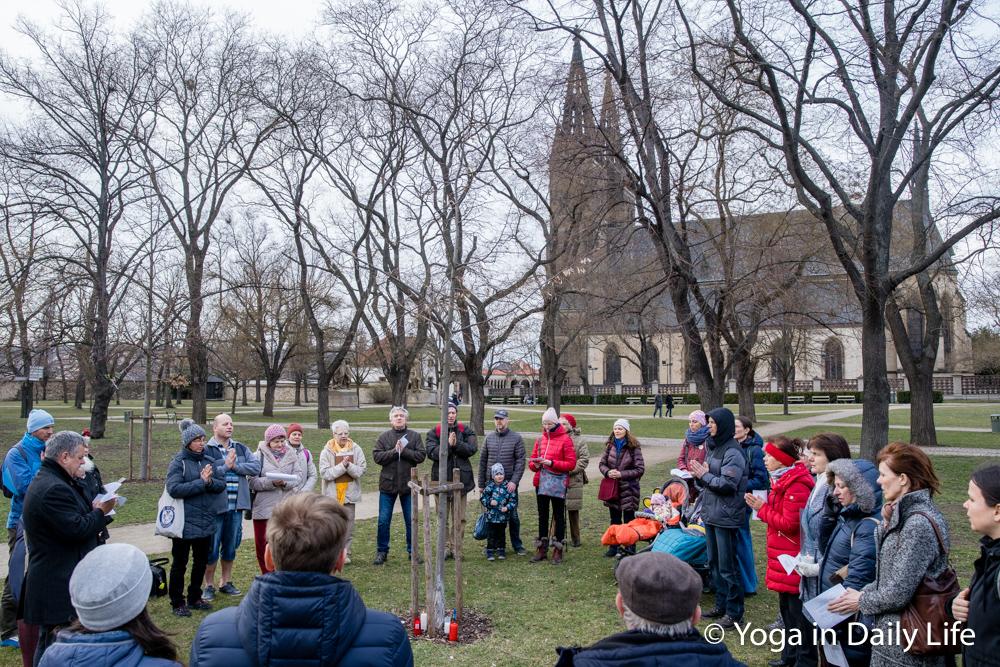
x,y
61,525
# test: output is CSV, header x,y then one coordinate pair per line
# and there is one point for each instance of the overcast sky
x,y
290,17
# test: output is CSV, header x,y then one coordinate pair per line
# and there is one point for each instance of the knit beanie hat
x,y
190,431
274,431
698,416
110,586
623,423
550,416
39,419
292,428
497,469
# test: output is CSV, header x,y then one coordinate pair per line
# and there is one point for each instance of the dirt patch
x,y
474,627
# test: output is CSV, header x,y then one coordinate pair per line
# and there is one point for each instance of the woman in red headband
x,y
791,485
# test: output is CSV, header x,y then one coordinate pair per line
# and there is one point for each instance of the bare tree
x,y
843,136
200,140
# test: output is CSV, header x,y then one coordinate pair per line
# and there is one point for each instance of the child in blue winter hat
x,y
500,504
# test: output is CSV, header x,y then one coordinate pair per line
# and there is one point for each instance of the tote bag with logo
x,y
169,515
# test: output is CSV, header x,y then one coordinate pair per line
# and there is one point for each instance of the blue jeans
x,y
227,538
744,554
386,503
722,563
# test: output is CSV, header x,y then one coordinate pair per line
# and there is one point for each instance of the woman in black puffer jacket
x,y
978,606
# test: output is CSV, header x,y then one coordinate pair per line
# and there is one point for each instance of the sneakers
x,y
200,605
228,589
501,555
490,557
521,551
208,593
715,613
727,622
380,558
182,611
11,642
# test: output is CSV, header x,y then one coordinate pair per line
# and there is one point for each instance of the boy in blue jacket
x,y
301,613
499,504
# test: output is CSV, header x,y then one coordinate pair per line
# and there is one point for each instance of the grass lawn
x,y
945,438
945,414
516,594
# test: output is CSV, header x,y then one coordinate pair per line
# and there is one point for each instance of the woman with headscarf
x,y
622,461
341,465
723,480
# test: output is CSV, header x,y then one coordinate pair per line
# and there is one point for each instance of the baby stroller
x,y
682,534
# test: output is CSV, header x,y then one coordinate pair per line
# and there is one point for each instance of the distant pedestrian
x,y
669,403
658,405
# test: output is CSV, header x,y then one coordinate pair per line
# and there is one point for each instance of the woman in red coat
x,y
554,454
791,485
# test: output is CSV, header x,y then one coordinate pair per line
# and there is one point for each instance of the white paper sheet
x,y
788,562
112,492
683,474
834,655
818,612
763,496
281,476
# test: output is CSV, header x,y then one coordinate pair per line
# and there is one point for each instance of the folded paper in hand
x,y
112,492
683,474
788,562
280,476
816,608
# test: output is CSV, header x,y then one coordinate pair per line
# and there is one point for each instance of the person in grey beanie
x,y
109,589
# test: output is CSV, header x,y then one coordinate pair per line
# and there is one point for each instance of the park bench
x,y
678,400
513,400
633,400
822,398
495,400
845,398
797,399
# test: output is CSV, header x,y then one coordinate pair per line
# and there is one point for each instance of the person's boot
x,y
541,550
557,552
612,551
574,527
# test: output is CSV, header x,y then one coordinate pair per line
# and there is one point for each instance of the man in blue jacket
x,y
19,467
657,598
236,462
301,613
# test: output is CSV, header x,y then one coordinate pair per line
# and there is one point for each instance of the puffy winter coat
x,y
303,619
269,495
116,648
247,465
726,480
630,464
642,649
759,479
556,446
984,607
465,447
506,448
852,540
60,527
578,476
503,497
330,470
200,499
395,475
907,549
781,513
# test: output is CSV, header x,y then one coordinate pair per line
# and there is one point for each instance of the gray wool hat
x,y
190,431
659,587
497,469
110,586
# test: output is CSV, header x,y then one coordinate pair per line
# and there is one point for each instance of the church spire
x,y
578,113
610,125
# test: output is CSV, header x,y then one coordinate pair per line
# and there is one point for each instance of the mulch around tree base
x,y
474,627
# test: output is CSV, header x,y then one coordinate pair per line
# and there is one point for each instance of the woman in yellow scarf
x,y
341,465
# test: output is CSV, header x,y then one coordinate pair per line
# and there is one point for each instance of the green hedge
x,y
772,397
904,397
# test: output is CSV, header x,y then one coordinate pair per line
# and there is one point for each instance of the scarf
x,y
619,443
776,474
696,438
332,445
278,454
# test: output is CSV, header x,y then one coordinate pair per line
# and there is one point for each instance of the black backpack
x,y
7,493
159,586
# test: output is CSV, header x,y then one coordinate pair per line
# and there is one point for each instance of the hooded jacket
x,y
726,480
466,446
300,619
116,648
200,499
852,539
782,513
18,471
644,649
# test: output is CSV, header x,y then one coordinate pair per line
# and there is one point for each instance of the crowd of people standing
x,y
874,530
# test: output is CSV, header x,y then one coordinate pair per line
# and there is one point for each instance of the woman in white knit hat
x,y
622,462
109,589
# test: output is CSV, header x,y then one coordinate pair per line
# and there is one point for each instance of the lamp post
x,y
593,389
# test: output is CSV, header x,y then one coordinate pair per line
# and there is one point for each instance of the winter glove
x,y
807,566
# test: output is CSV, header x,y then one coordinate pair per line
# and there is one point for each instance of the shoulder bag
x,y
927,617
551,483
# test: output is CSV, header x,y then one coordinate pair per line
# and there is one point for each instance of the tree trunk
x,y
477,401
236,391
269,390
875,415
243,399
298,390
305,387
922,430
27,399
322,391
256,386
103,391
198,362
104,388
80,395
399,383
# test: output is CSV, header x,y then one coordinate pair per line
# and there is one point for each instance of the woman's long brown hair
x,y
154,642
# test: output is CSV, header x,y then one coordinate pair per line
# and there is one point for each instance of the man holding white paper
x,y
397,450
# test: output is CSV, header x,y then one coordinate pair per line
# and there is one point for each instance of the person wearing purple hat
x,y
282,471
